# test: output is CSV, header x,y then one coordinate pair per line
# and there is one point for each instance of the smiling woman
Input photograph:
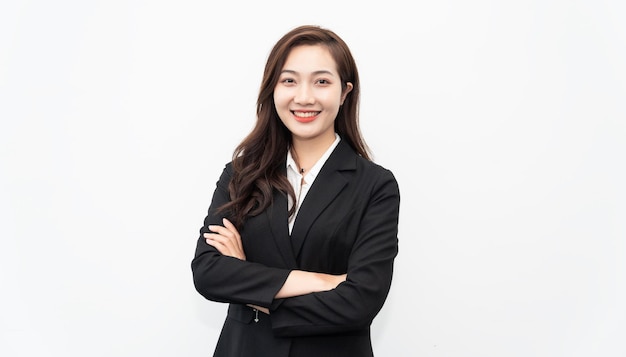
x,y
310,90
307,97
301,235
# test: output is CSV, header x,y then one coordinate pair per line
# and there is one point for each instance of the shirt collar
x,y
312,173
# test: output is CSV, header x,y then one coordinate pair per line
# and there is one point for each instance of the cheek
x,y
281,98
281,105
332,97
332,101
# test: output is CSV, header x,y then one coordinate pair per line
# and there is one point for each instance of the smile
x,y
304,114
305,117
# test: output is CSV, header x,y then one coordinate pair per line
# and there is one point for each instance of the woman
x,y
301,234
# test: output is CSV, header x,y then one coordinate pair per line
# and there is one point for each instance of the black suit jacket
x,y
348,222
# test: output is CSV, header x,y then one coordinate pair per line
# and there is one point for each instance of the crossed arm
x,y
227,241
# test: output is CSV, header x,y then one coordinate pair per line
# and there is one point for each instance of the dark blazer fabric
x,y
348,222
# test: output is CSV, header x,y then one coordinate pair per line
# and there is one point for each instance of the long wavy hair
x,y
259,160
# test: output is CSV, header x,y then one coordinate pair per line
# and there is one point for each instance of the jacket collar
x,y
331,180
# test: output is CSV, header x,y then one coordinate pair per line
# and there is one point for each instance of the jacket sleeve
x,y
354,303
226,279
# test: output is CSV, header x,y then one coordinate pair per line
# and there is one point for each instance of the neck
x,y
307,152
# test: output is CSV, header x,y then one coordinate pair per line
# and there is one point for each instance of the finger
x,y
223,240
225,236
214,237
232,231
218,245
226,240
220,230
224,245
231,227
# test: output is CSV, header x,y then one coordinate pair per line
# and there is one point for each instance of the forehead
x,y
310,58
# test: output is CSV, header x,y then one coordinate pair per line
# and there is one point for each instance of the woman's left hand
x,y
226,240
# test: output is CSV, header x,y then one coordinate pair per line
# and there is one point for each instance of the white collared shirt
x,y
300,183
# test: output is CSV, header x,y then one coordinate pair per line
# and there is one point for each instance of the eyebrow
x,y
317,73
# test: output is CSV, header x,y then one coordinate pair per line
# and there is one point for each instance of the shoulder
x,y
346,159
227,174
374,171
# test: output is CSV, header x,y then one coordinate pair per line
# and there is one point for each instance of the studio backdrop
x,y
503,122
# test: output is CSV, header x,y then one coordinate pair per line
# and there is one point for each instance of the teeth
x,y
305,114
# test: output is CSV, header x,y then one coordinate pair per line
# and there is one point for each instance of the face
x,y
308,93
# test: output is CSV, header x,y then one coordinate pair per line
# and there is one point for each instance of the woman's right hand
x,y
226,240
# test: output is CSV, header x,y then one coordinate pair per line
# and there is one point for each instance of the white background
x,y
504,122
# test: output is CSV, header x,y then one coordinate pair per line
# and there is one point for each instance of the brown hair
x,y
258,161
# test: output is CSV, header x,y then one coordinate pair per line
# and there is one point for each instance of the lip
x,y
305,119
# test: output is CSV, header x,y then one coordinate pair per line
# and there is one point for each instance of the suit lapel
x,y
278,221
324,190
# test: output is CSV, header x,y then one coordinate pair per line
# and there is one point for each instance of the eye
x,y
323,81
287,81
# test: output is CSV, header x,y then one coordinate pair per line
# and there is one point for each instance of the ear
x,y
348,89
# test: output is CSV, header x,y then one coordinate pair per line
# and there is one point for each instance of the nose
x,y
304,95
